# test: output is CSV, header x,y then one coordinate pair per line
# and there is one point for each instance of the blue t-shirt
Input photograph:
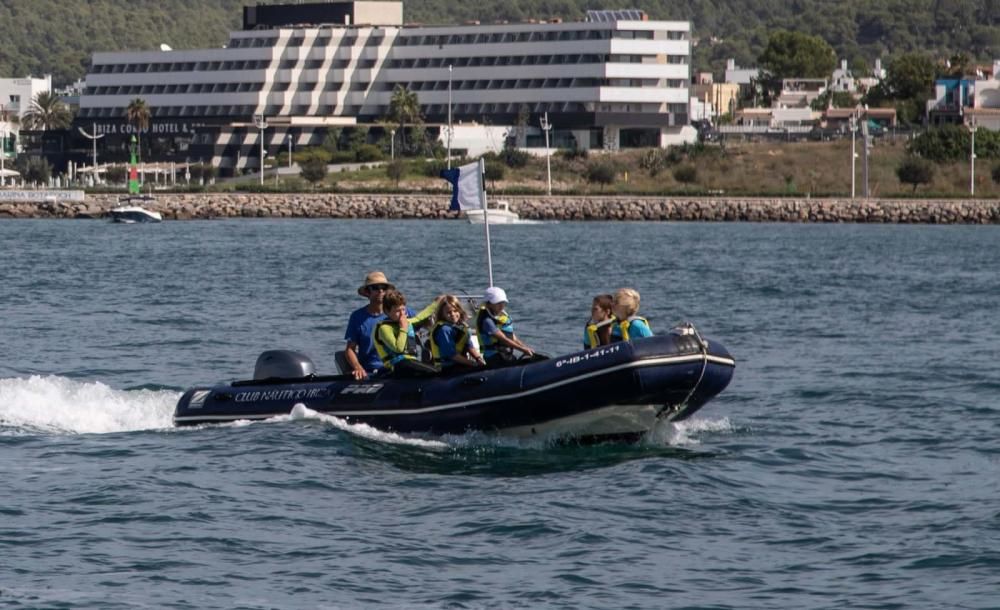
x,y
445,337
360,327
639,330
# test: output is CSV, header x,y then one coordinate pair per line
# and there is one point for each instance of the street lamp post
x,y
261,124
392,144
93,137
449,115
289,150
547,127
864,155
854,154
3,153
972,159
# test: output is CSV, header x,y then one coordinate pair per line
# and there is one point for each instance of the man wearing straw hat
x,y
362,358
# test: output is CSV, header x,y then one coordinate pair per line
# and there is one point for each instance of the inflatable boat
x,y
620,390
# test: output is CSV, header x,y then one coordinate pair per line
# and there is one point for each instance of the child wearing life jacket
x,y
495,329
396,341
602,329
626,307
450,340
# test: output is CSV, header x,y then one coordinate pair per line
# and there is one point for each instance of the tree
x,y
996,174
404,108
34,170
395,170
653,161
521,125
601,172
959,65
47,112
915,171
116,174
313,170
137,115
909,76
494,168
686,174
331,141
795,55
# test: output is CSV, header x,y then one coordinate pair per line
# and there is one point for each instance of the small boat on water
x,y
132,209
617,391
500,215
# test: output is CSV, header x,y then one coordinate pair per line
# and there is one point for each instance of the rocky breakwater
x,y
435,206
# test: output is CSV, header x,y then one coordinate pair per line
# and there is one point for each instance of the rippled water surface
x,y
852,463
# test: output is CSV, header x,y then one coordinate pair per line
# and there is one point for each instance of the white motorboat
x,y
131,210
499,215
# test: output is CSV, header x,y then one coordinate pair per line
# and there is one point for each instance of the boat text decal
x,y
303,394
597,353
368,388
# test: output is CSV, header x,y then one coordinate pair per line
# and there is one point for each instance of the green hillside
x,y
58,36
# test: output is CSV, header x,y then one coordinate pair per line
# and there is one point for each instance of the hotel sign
x,y
154,129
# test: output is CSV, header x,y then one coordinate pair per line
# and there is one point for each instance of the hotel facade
x,y
614,80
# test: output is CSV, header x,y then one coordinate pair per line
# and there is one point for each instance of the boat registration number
x,y
578,358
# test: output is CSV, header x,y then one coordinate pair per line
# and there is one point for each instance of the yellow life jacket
x,y
388,353
460,343
627,322
488,344
593,340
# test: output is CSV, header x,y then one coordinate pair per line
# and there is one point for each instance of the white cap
x,y
495,295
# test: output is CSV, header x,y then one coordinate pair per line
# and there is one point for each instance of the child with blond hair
x,y
451,340
625,306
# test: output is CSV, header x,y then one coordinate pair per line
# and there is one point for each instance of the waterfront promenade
x,y
435,206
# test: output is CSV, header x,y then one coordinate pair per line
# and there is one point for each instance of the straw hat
x,y
375,277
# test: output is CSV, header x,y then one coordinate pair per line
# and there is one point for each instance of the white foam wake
x,y
60,405
684,433
301,411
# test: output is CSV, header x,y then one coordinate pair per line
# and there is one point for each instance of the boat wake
x,y
59,405
302,412
666,434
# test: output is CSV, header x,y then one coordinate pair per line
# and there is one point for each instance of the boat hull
x,y
133,215
617,390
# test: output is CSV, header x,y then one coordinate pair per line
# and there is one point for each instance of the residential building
x,y
800,92
740,76
984,111
951,96
16,94
719,98
843,79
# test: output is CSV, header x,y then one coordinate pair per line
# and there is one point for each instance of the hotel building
x,y
612,81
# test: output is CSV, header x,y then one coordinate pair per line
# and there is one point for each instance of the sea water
x,y
852,462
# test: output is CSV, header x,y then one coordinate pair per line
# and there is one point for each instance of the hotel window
x,y
676,59
675,35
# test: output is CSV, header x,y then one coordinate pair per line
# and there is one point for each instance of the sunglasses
x,y
382,287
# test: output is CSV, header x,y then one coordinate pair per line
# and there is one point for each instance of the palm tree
x,y
47,111
404,107
138,115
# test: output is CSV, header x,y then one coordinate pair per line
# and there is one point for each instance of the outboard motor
x,y
283,364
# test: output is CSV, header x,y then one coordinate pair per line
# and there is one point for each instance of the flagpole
x,y
486,217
